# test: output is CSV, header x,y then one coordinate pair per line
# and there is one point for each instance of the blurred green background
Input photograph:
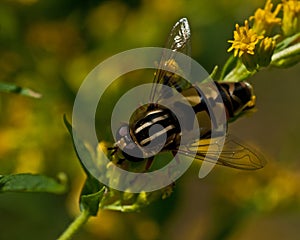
x,y
50,46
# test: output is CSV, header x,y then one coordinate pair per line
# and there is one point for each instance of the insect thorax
x,y
154,127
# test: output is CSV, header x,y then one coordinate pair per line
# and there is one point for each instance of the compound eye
x,y
129,148
122,132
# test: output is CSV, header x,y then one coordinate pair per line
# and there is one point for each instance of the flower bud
x,y
291,17
265,51
250,61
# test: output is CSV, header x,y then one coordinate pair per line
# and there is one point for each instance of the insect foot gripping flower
x,y
264,20
126,201
244,45
291,17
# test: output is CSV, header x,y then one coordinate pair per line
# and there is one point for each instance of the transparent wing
x,y
178,41
233,154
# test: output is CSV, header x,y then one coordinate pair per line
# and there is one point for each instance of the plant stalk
x,y
75,225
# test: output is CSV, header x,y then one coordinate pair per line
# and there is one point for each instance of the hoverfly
x,y
236,96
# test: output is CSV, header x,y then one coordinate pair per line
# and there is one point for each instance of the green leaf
x,y
11,88
91,185
85,152
26,182
91,201
229,65
92,191
287,57
287,42
91,194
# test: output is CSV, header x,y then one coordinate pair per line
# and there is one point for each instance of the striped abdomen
x,y
235,97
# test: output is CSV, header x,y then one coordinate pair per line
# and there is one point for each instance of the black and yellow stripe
x,y
158,127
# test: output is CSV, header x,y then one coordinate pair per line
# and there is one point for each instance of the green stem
x,y
238,74
227,65
75,225
123,208
288,52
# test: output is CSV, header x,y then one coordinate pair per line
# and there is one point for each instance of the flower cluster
x,y
291,17
255,45
265,20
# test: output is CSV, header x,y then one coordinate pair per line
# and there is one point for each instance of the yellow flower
x,y
265,19
253,50
291,17
244,41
